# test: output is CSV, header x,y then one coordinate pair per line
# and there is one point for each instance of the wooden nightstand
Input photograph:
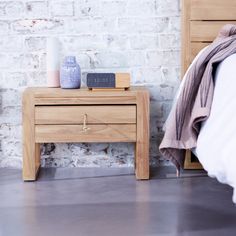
x,y
57,115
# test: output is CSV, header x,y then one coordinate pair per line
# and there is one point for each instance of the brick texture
x,y
137,36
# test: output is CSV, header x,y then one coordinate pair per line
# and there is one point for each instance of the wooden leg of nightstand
x,y
37,159
142,161
31,162
142,144
31,150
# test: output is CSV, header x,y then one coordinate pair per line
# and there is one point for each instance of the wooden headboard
x,y
201,21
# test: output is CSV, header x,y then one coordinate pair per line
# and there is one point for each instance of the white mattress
x,y
216,145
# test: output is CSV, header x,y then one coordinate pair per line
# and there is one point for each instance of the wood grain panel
x,y
50,96
43,92
122,80
86,100
206,31
195,48
135,103
213,9
142,143
201,22
185,36
188,164
75,114
75,133
31,150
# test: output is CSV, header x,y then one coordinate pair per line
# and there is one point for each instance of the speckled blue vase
x,y
70,73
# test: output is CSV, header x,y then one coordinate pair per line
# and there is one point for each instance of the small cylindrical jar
x,y
70,73
53,51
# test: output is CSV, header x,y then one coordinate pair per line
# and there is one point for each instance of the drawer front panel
x,y
94,114
94,133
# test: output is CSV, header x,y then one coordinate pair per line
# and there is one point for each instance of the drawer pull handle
x,y
85,127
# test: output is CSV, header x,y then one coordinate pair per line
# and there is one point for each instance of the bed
x,y
216,144
200,23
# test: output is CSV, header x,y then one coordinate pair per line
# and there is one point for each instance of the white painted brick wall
x,y
61,8
137,36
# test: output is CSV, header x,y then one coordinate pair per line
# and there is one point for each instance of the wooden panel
x,y
195,48
86,100
31,150
213,9
142,144
201,21
206,31
75,133
43,92
189,164
34,134
75,114
50,96
185,36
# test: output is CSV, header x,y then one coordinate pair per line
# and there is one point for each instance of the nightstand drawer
x,y
93,133
95,114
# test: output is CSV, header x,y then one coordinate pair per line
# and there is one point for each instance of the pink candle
x,y
53,65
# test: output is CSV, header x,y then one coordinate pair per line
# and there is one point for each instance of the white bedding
x,y
216,145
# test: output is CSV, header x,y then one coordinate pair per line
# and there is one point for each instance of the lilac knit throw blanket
x,y
194,103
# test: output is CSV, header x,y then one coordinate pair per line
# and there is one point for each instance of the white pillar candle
x,y
53,64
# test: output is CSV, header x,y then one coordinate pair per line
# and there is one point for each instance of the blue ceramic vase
x,y
70,73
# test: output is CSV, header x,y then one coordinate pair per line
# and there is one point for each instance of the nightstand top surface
x,y
48,96
58,92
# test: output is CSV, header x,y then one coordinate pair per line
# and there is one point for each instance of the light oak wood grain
x,y
49,96
44,92
195,48
189,164
142,143
31,150
107,89
54,115
185,36
201,21
122,80
75,114
95,133
206,31
213,10
99,100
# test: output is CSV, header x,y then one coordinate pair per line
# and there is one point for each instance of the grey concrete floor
x,y
111,202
